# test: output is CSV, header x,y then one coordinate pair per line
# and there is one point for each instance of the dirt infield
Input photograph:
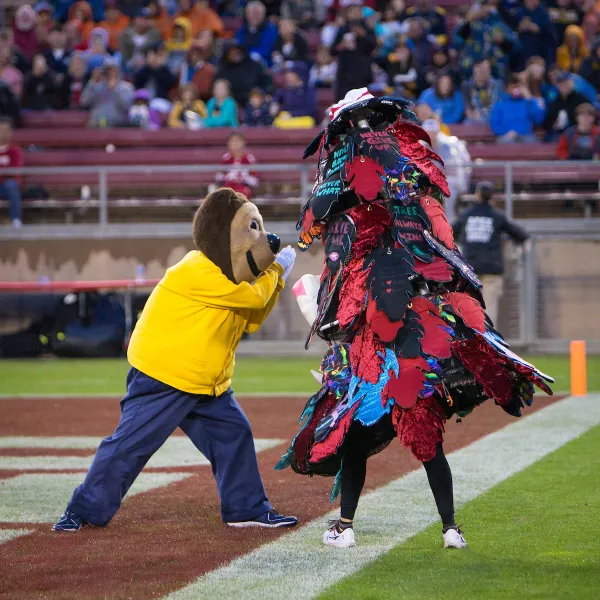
x,y
167,537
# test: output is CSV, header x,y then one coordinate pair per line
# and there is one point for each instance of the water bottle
x,y
140,274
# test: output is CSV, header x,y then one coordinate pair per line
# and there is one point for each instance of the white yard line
x,y
298,566
6,535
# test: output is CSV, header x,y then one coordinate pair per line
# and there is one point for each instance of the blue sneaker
x,y
69,522
269,519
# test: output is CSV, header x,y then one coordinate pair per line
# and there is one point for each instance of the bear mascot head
x,y
229,230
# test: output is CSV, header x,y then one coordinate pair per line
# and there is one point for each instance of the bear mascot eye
x,y
254,224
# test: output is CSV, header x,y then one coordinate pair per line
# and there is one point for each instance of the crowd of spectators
x,y
522,67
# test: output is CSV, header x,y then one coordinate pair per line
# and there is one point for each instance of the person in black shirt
x,y
479,230
561,112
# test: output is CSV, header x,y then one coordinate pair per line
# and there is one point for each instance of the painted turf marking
x,y
6,535
41,497
298,566
177,451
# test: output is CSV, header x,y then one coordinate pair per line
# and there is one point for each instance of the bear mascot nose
x,y
274,242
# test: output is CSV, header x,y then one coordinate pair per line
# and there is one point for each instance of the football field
x,y
526,493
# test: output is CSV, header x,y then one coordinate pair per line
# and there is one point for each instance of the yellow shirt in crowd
x,y
194,320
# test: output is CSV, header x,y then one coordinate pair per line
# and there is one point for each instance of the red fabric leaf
x,y
468,309
488,368
371,221
365,177
330,445
533,377
439,223
438,270
353,293
365,361
405,389
304,439
421,427
436,341
382,327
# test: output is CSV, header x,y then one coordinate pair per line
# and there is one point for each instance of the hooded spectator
x,y
421,46
196,67
155,76
484,34
107,97
481,92
564,13
581,141
11,157
81,15
573,51
536,31
242,73
57,56
200,15
432,16
590,67
141,114
160,18
188,111
97,53
115,23
257,35
296,102
40,85
24,29
136,39
324,72
515,116
445,100
45,22
401,69
179,43
9,75
353,46
259,110
221,109
290,45
561,111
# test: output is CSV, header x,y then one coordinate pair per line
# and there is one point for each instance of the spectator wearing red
x,y
581,141
45,22
115,24
201,15
24,29
238,176
11,156
9,75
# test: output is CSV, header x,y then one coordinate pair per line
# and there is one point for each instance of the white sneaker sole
x,y
333,544
264,525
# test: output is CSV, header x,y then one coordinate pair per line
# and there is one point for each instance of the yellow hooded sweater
x,y
563,55
194,320
185,45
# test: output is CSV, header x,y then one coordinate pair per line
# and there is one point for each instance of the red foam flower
x,y
365,177
438,270
405,389
439,223
436,341
382,327
468,309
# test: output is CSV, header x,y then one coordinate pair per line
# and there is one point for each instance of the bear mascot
x,y
182,356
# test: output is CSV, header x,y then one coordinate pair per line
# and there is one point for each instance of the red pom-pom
x,y
365,177
438,270
436,341
468,309
440,228
405,389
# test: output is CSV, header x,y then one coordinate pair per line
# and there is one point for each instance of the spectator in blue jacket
x,y
445,100
536,32
516,114
257,35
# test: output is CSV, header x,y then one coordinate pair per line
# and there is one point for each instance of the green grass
x,y
533,536
252,375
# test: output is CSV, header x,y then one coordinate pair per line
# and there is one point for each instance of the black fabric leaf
x,y
340,234
408,340
380,146
388,280
325,195
408,229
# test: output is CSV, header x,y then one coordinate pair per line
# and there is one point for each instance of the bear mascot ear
x,y
229,230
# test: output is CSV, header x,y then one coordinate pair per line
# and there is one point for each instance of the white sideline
x,y
298,566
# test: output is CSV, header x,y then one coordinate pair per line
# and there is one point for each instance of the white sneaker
x,y
17,224
453,538
340,540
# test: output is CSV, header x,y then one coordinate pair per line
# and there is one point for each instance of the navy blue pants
x,y
150,413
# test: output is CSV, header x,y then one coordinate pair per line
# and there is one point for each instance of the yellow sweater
x,y
193,321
